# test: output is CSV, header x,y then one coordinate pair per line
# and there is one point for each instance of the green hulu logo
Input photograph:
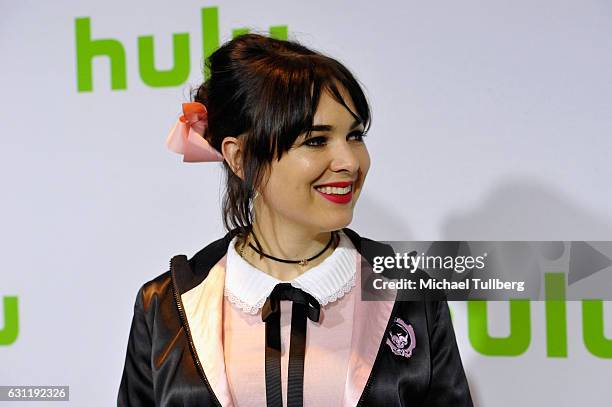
x,y
519,338
9,333
87,49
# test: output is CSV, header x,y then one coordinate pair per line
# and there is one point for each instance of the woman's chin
x,y
340,221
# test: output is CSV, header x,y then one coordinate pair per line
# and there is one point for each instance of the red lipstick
x,y
340,199
338,184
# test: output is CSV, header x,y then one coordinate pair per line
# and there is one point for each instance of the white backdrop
x,y
491,120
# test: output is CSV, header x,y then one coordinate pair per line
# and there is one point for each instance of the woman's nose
x,y
344,158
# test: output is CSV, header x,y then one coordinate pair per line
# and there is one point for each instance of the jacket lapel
x,y
200,282
203,306
369,324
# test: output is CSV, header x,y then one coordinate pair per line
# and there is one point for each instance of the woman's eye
x,y
320,141
358,134
315,141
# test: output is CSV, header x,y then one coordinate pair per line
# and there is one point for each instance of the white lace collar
x,y
248,287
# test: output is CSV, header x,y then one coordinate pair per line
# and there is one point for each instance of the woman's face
x,y
335,152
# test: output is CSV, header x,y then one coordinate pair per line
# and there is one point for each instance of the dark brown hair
x,y
267,91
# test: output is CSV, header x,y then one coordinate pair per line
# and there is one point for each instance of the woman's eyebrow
x,y
329,127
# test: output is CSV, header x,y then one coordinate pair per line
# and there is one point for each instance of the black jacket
x,y
162,367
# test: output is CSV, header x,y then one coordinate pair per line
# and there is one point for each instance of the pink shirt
x,y
327,342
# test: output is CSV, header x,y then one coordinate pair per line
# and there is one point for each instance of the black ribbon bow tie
x,y
304,306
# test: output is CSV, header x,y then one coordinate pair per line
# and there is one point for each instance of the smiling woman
x,y
313,189
271,313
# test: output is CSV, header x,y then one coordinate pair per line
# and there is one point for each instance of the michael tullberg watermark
x,y
486,270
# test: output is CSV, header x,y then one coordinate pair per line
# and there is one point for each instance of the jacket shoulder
x,y
156,281
155,289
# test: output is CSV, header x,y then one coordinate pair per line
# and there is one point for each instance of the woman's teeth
x,y
335,190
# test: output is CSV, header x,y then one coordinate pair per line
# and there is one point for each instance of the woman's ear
x,y
231,148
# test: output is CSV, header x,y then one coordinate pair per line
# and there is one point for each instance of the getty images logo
x,y
88,48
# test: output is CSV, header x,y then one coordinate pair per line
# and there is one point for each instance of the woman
x,y
271,313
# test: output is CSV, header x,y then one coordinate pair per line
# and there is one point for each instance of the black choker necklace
x,y
302,262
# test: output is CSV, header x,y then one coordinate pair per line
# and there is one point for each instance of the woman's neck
x,y
285,243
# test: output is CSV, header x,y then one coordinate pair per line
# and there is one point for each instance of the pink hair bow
x,y
187,135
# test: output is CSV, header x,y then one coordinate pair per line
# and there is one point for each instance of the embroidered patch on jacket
x,y
400,338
